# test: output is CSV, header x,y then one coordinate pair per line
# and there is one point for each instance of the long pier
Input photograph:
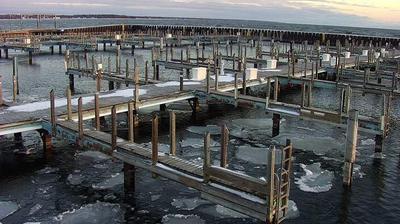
x,y
212,64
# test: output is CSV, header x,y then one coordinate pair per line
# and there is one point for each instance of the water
x,y
78,186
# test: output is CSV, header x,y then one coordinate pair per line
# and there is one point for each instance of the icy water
x,y
78,186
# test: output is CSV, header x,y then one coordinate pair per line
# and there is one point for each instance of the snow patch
x,y
99,212
116,179
212,129
197,143
368,142
187,203
182,219
175,83
96,155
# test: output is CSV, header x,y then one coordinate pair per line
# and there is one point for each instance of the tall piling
x,y
351,145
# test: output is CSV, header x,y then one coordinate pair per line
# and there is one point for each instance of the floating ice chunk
x,y
255,155
315,179
96,155
213,129
368,142
35,208
99,213
252,123
187,203
293,211
175,83
378,155
116,179
227,212
357,171
239,133
155,197
47,170
197,143
318,145
182,219
75,179
7,208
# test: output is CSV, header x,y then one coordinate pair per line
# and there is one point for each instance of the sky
x,y
360,13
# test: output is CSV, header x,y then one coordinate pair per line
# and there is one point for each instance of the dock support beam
x,y
131,122
18,139
351,144
1,91
224,146
110,85
80,122
172,133
47,144
276,119
271,183
154,139
114,128
129,180
30,56
72,84
378,143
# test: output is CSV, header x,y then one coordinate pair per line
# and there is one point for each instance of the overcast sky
x,y
365,13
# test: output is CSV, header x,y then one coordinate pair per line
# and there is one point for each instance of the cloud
x,y
73,4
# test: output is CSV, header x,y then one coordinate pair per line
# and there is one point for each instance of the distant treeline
x,y
50,16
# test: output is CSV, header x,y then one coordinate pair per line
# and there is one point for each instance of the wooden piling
x,y
146,73
378,143
351,145
276,88
271,183
72,83
207,157
154,139
224,146
15,75
80,121
97,111
129,180
276,119
181,81
208,77
53,113
136,94
303,95
127,71
172,133
114,128
1,91
131,122
30,56
268,92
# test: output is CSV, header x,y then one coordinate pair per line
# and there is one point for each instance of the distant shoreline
x,y
80,16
